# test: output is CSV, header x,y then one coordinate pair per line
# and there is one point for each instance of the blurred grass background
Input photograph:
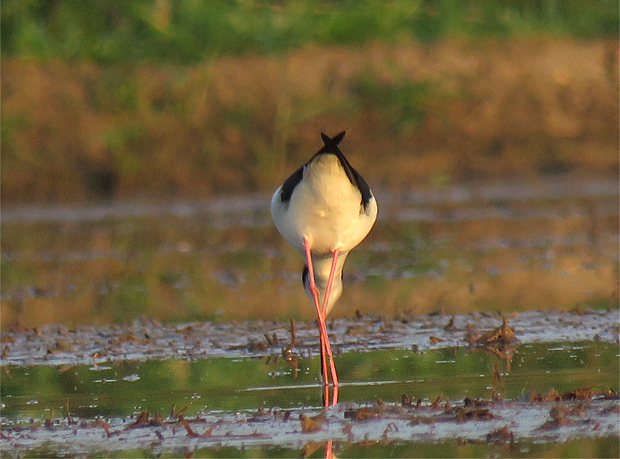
x,y
189,31
165,98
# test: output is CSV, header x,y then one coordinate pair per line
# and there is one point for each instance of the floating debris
x,y
500,336
108,343
469,420
312,424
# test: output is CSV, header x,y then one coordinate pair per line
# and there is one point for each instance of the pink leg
x,y
329,450
335,397
326,396
323,338
328,288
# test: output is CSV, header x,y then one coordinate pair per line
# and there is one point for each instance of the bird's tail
x,y
331,144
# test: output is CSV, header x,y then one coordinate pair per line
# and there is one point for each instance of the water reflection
x,y
433,398
249,383
499,342
454,250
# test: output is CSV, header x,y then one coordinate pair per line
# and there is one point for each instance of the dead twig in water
x,y
311,424
501,335
287,352
272,340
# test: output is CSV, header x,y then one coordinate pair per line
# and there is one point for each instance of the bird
x,y
324,210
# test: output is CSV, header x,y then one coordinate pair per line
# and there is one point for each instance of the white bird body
x,y
324,209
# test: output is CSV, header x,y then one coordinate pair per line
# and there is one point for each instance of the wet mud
x,y
509,423
410,416
147,339
194,289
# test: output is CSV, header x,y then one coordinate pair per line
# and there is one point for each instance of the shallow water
x,y
232,384
505,247
404,388
188,305
256,403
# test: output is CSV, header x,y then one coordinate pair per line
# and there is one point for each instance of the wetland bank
x,y
146,298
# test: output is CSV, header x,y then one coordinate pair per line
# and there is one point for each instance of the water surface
x,y
505,247
113,311
258,401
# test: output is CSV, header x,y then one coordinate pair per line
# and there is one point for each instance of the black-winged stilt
x,y
324,209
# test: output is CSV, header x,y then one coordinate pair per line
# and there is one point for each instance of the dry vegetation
x,y
448,111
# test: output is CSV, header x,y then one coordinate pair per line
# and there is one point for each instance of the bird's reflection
x,y
326,394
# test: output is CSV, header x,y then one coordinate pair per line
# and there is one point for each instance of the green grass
x,y
185,31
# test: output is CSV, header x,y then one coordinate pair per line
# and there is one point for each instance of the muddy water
x,y
504,247
164,305
393,402
407,386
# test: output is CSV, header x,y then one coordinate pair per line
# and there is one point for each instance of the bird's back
x,y
325,207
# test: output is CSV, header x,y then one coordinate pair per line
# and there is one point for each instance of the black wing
x,y
331,146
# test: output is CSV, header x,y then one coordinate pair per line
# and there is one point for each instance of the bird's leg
x,y
335,395
323,338
329,450
328,288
